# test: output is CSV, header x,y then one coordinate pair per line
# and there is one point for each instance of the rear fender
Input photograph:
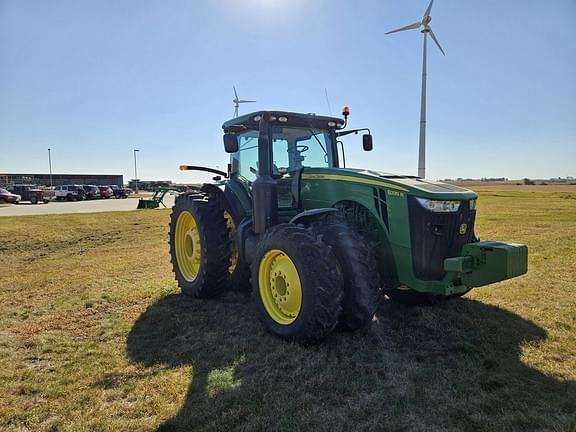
x,y
228,198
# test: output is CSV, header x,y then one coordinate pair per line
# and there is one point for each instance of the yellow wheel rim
x,y
188,246
280,288
232,235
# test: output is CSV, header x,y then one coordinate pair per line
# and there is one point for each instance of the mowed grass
x,y
94,336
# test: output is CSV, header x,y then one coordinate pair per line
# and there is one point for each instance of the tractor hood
x,y
409,184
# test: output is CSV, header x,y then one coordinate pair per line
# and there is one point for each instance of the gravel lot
x,y
61,207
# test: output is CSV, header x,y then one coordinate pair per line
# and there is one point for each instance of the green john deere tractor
x,y
320,243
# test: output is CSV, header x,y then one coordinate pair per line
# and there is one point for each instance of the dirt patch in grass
x,y
82,322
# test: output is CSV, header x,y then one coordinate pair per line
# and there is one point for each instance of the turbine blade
x,y
408,27
436,40
429,8
245,101
235,94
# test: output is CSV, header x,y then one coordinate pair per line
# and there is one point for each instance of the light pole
x,y
50,165
136,170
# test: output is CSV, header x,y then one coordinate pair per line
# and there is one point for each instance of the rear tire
x,y
239,271
34,200
357,260
297,287
199,245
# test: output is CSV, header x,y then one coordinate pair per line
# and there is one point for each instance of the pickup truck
x,y
31,193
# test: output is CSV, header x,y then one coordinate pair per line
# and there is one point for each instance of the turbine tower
x,y
426,30
237,102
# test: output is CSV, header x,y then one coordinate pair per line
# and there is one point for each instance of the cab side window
x,y
246,158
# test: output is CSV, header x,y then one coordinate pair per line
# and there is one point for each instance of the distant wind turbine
x,y
237,102
426,29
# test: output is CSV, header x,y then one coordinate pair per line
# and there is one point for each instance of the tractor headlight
x,y
473,204
439,206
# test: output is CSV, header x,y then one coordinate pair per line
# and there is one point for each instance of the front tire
x,y
238,270
33,200
297,287
199,245
357,260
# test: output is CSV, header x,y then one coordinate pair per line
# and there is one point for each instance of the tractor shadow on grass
x,y
453,366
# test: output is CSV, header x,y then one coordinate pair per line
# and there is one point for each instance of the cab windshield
x,y
292,150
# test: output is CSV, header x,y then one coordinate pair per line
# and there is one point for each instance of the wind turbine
x,y
426,29
237,102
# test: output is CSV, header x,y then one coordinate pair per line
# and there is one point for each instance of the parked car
x,y
8,197
69,192
106,191
29,192
120,192
92,191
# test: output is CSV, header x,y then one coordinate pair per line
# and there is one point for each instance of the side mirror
x,y
230,143
367,142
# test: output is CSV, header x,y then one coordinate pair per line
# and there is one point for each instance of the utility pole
x,y
136,170
50,166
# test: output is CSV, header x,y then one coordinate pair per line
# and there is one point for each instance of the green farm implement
x,y
157,199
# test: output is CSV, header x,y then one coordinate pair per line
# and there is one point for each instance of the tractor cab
x,y
298,141
276,147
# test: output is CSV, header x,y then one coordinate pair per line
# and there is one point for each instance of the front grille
x,y
436,236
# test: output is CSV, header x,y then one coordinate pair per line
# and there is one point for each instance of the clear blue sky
x,y
95,79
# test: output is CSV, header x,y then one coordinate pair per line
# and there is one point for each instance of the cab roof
x,y
252,120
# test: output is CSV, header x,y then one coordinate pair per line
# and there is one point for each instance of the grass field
x,y
95,337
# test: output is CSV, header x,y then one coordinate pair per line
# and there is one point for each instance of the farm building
x,y
61,179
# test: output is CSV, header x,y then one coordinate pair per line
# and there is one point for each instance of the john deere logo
x,y
463,229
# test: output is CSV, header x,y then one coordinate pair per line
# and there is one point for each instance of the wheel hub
x,y
280,288
188,246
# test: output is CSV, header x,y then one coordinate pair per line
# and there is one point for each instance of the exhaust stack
x,y
264,188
